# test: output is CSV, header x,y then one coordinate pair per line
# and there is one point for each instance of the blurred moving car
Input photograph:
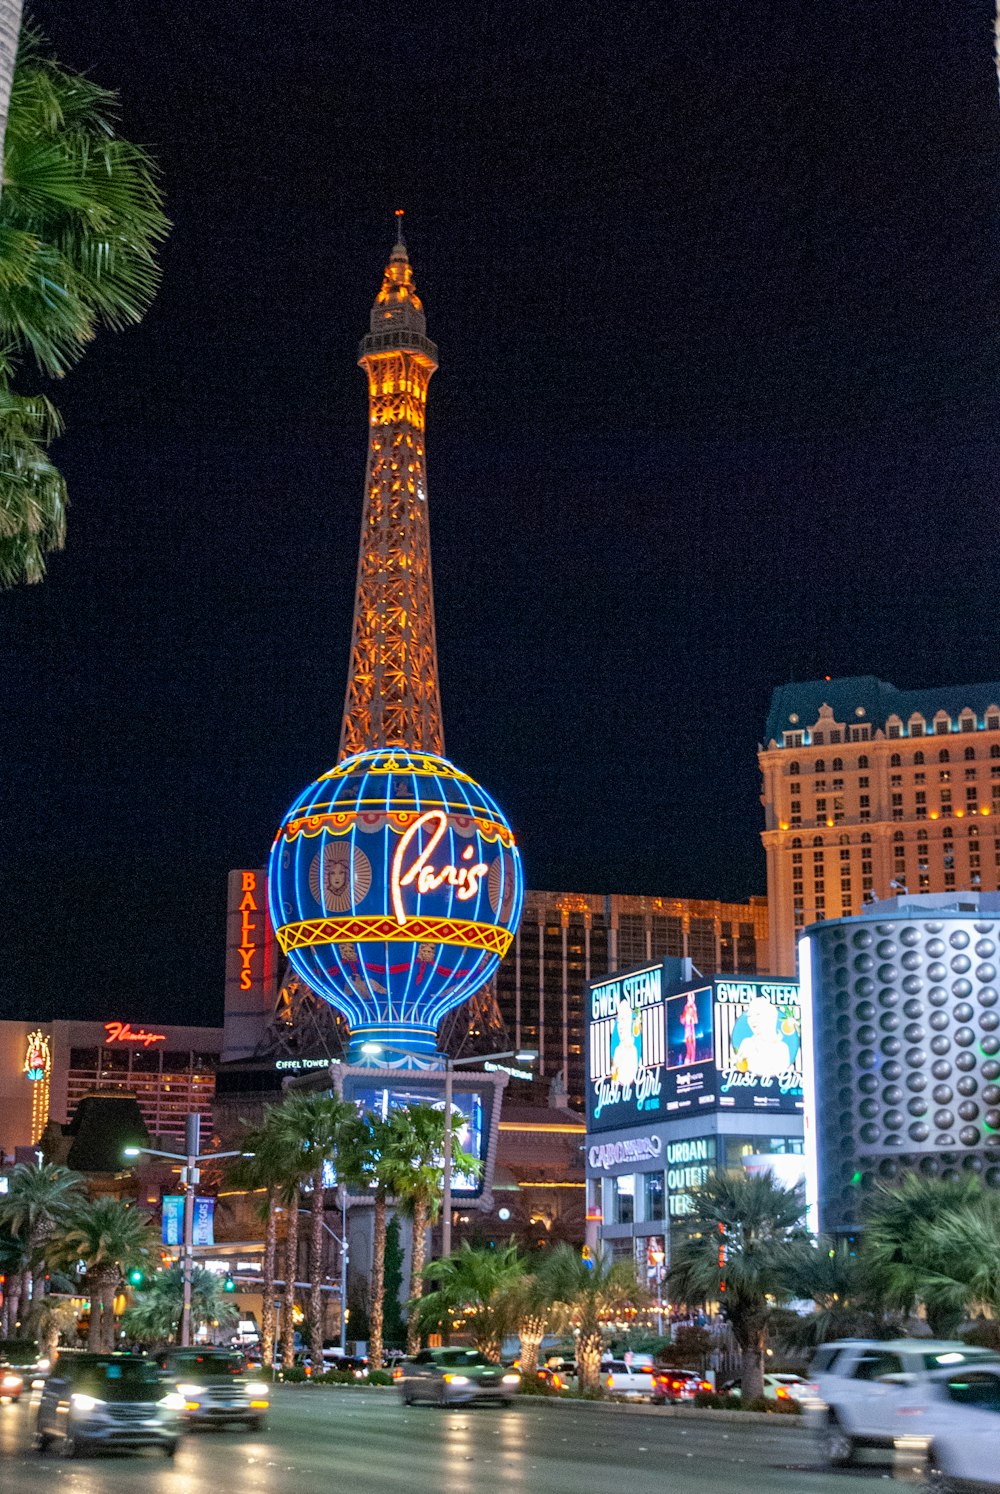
x,y
635,1381
107,1400
866,1388
357,1364
673,1386
21,1359
216,1387
960,1410
777,1387
454,1377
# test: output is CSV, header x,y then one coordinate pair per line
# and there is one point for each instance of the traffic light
x,y
137,1277
229,1285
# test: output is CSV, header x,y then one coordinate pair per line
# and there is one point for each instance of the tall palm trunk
x,y
270,1255
23,1303
530,1331
12,1302
94,1329
291,1272
109,1286
589,1348
315,1272
10,30
752,1367
418,1255
377,1316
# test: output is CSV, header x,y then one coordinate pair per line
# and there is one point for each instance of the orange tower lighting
x,y
393,696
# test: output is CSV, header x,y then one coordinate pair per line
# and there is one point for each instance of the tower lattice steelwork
x,y
393,696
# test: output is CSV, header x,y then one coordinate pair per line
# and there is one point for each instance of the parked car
x,y
632,1380
672,1386
454,1377
107,1400
216,1387
863,1387
777,1387
333,1360
960,1409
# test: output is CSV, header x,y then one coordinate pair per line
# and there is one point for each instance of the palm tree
x,y
745,1232
850,1293
154,1317
80,218
902,1240
38,1203
370,1161
585,1294
479,1285
533,1309
10,30
965,1244
111,1237
311,1126
258,1171
282,1159
419,1138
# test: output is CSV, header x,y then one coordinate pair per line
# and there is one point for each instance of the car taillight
x,y
704,1385
782,1393
397,1373
611,1382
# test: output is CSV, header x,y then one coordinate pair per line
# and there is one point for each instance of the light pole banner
x,y
173,1219
204,1214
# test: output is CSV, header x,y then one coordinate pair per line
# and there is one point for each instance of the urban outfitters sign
x,y
626,1048
689,1164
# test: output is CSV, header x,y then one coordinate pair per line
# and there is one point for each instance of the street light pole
x,y
446,1178
190,1176
192,1146
343,1269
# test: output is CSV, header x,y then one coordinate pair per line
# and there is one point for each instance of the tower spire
x,y
393,697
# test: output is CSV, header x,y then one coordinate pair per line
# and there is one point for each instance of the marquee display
x,y
395,889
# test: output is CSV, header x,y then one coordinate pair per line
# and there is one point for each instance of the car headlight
x,y
83,1403
43,1364
174,1401
187,1391
510,1379
256,1390
11,1382
456,1379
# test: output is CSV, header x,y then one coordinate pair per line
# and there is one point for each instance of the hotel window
x,y
969,755
921,796
896,780
817,739
859,733
993,723
819,787
821,907
865,801
795,788
819,766
946,801
895,761
834,738
821,809
968,723
862,761
895,730
793,739
970,773
995,771
949,879
796,858
845,855
819,885
799,919
793,769
838,809
797,889
995,788
944,775
862,783
944,756
918,759
920,778
916,728
838,765
942,726
995,751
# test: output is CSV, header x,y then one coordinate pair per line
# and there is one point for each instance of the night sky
x,y
715,288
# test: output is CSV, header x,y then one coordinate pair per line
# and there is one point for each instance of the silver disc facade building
x,y
905,999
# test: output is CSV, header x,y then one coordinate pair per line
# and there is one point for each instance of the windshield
x,y
207,1366
947,1357
461,1356
125,1380
977,1388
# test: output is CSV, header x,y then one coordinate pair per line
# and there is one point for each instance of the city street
x,y
319,1442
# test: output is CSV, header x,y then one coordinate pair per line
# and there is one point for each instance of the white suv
x,y
862,1385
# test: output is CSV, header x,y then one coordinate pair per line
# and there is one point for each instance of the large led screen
x,y
470,1115
758,1045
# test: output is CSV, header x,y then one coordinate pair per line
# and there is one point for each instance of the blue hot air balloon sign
x,y
395,889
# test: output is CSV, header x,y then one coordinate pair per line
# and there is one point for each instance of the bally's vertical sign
x,y
626,1048
250,962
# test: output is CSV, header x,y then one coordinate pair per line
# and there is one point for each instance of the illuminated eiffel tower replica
x,y
393,694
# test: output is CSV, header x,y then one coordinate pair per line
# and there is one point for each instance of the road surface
x,y
366,1442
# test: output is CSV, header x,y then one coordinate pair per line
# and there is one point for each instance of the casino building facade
x,y
685,1076
906,1002
47,1068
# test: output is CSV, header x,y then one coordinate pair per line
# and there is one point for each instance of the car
x,y
216,1387
454,1377
777,1387
552,1379
357,1364
632,1380
672,1386
861,1384
962,1411
107,1400
21,1359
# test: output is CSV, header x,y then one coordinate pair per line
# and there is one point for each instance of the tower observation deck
x,y
393,696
